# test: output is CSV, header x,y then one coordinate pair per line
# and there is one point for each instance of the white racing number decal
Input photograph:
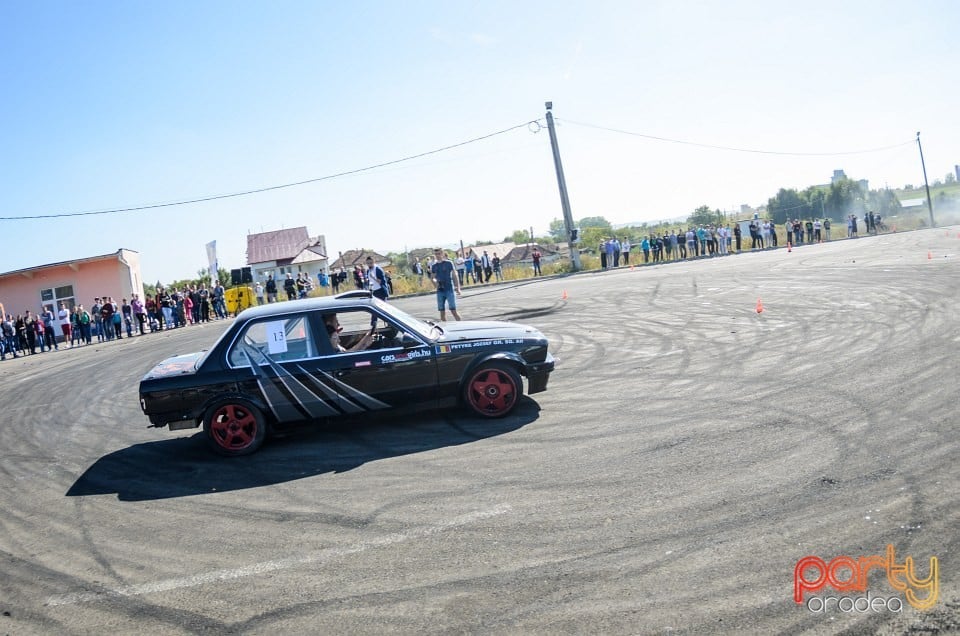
x,y
276,337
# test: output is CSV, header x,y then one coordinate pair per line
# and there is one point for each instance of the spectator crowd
x,y
107,320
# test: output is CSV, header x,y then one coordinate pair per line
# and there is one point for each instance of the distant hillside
x,y
948,190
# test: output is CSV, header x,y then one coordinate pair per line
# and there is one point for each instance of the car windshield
x,y
414,323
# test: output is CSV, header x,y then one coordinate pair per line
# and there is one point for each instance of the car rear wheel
x,y
234,427
492,390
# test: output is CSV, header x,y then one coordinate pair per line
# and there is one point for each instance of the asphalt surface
x,y
688,451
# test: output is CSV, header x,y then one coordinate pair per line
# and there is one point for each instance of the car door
x,y
397,371
286,370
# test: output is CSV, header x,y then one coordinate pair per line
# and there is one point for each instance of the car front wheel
x,y
234,427
492,390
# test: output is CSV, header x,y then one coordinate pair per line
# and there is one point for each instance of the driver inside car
x,y
333,327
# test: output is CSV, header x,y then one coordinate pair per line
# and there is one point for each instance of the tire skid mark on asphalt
x,y
265,567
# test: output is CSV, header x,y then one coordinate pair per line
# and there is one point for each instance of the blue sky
x,y
119,104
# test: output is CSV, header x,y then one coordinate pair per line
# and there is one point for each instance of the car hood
x,y
484,330
177,365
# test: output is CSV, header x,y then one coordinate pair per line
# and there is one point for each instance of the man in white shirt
x,y
377,280
64,318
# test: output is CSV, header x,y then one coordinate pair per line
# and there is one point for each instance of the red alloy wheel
x,y
493,391
234,428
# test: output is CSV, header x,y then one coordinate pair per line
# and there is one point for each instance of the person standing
x,y
76,331
21,328
487,266
152,311
334,283
41,336
497,268
536,256
258,292
30,324
127,310
49,335
165,303
63,315
445,281
272,289
301,286
625,250
204,294
377,280
826,228
9,337
218,297
116,319
95,309
290,287
468,269
187,307
138,313
461,267
85,319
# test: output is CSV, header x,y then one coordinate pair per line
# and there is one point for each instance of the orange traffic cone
x,y
759,306
564,295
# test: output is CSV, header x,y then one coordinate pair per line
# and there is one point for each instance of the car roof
x,y
326,303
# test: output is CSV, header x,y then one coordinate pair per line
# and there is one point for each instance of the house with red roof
x,y
283,252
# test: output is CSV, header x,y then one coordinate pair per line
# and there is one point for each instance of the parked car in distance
x,y
283,365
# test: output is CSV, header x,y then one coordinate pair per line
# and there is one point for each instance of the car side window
x,y
355,325
280,339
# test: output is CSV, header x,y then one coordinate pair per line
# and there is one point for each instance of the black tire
x,y
492,390
234,427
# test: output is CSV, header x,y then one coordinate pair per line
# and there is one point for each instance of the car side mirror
x,y
409,342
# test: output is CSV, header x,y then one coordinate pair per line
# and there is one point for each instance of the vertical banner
x,y
212,260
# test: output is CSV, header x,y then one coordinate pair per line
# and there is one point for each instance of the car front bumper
x,y
538,374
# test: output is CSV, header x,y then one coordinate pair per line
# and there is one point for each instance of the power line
x,y
244,193
734,149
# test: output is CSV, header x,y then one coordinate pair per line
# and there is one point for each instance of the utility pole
x,y
924,165
562,183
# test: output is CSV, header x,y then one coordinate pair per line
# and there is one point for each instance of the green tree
x,y
703,216
558,230
816,196
788,204
595,221
518,236
592,236
845,197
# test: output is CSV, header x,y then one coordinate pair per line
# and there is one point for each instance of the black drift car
x,y
285,364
